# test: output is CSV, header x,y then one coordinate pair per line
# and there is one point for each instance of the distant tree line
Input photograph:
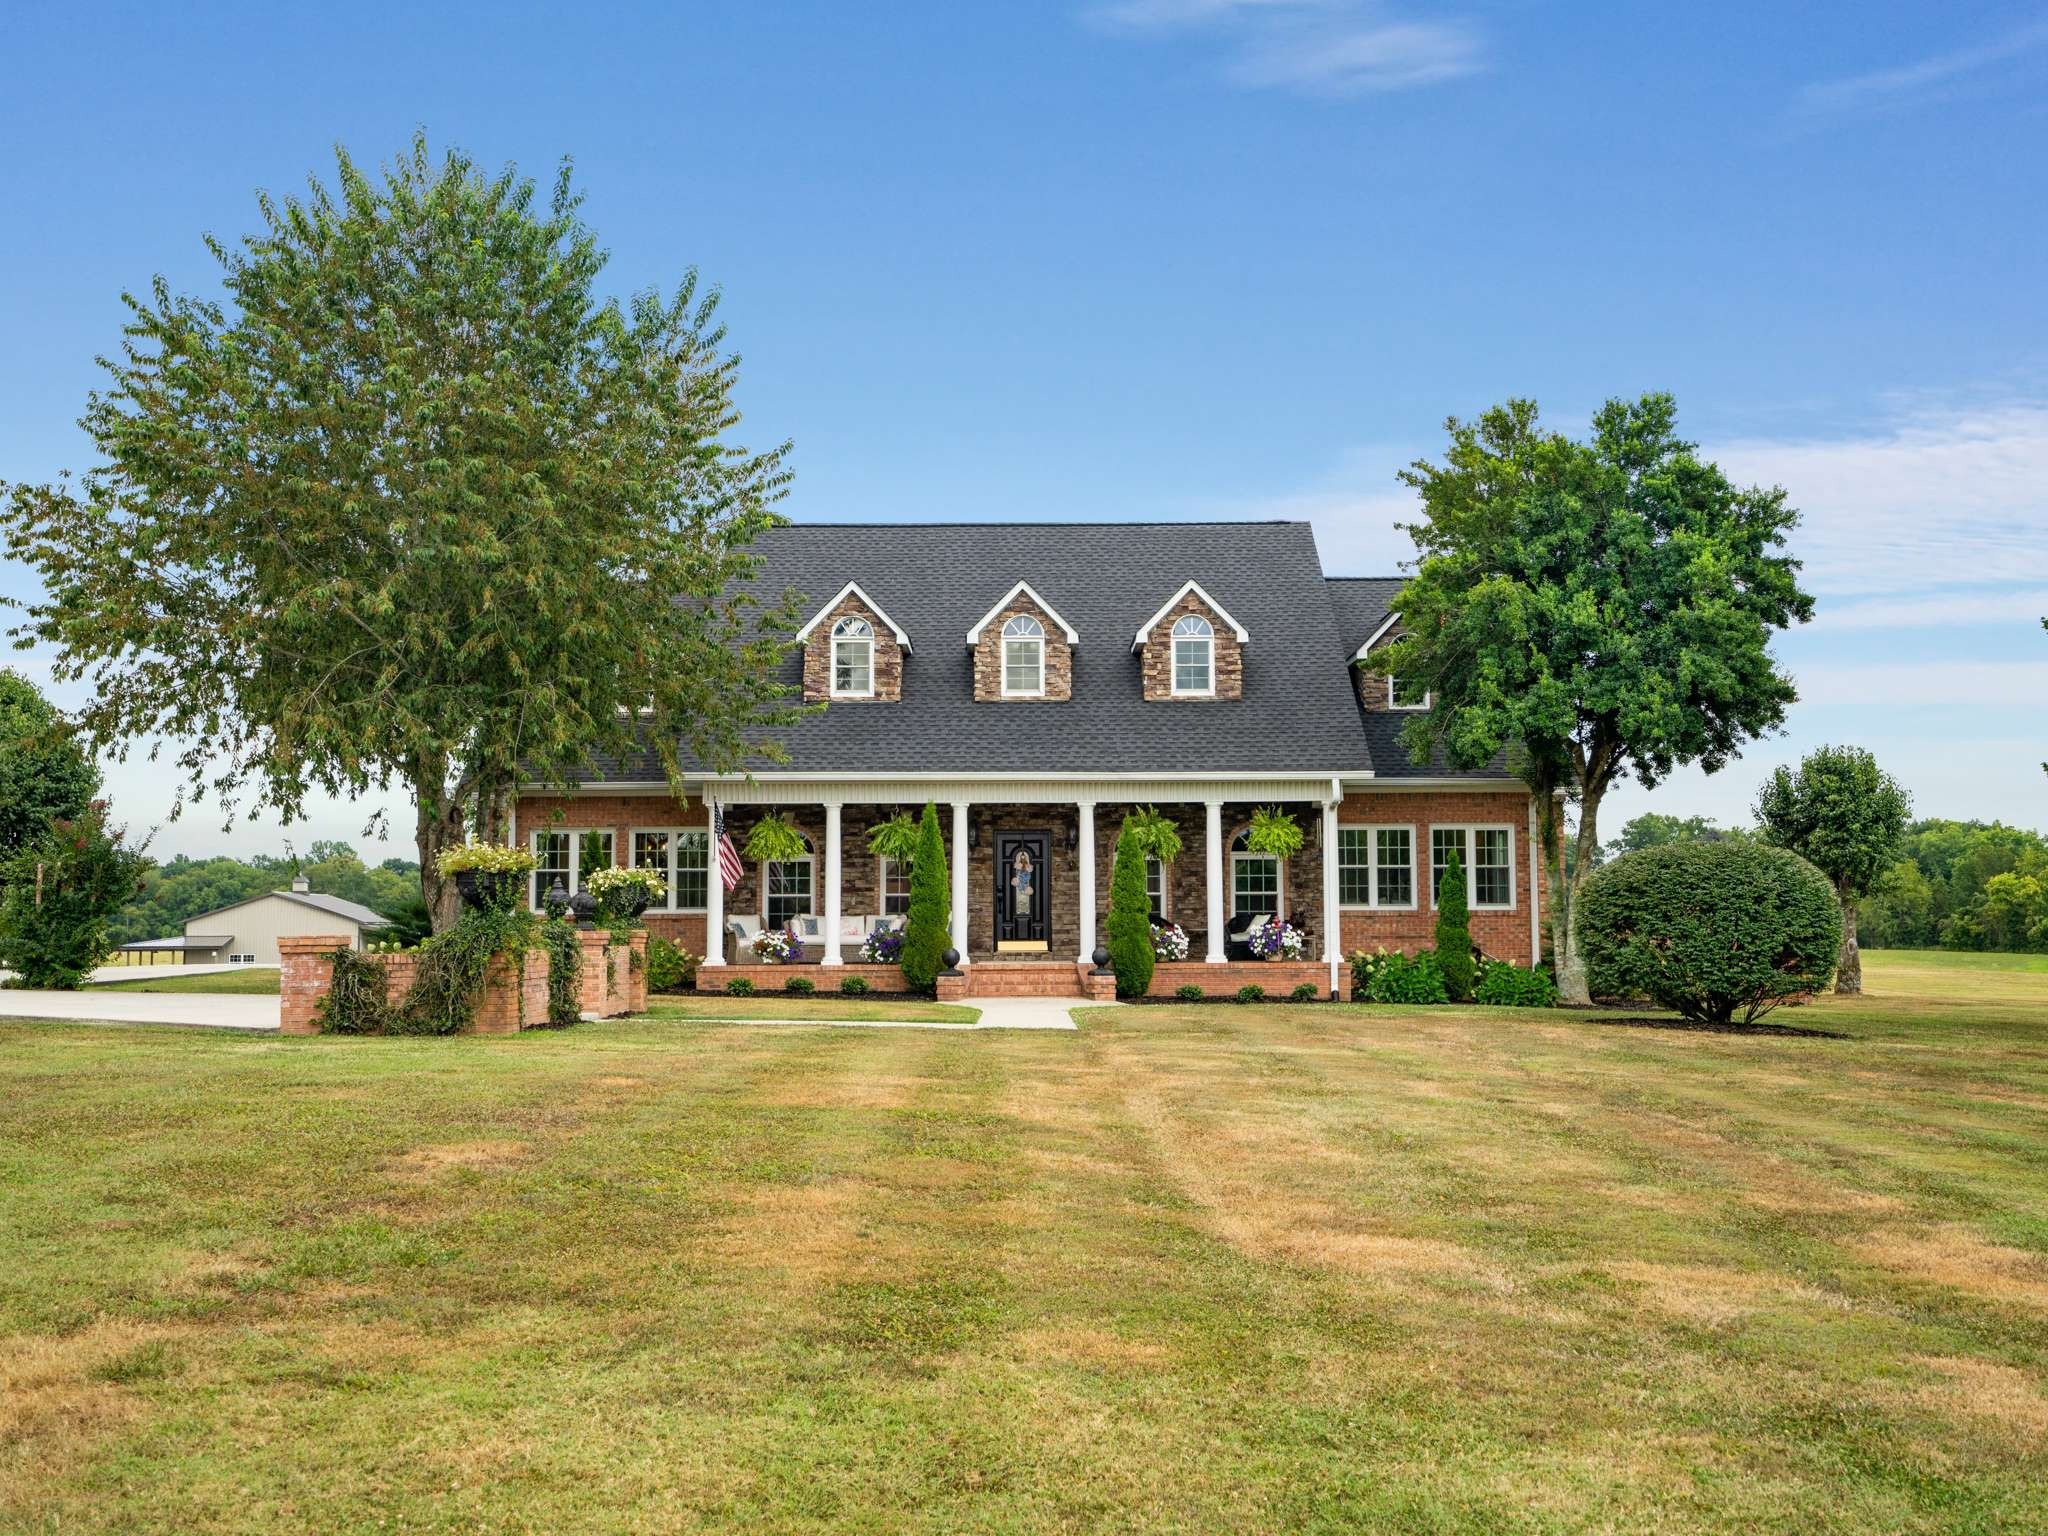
x,y
182,888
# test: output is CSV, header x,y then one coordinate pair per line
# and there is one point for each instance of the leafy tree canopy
x,y
1940,890
413,504
1653,829
43,774
1593,608
57,892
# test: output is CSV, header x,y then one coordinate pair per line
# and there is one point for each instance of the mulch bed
x,y
1788,1031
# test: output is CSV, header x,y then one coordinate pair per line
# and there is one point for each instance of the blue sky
x,y
1206,258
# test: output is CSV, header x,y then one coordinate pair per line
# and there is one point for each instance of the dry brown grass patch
x,y
875,1092
1988,1390
811,1232
1096,1348
51,1391
461,1154
1711,1295
1955,1257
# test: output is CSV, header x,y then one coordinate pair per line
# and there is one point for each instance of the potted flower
x,y
778,946
623,894
1275,940
883,947
1169,941
489,876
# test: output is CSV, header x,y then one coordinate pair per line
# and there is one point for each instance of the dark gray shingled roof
x,y
1298,713
1360,605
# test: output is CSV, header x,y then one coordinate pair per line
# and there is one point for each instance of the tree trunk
x,y
438,828
1849,967
1572,988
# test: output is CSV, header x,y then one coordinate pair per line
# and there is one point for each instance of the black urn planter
x,y
485,889
634,901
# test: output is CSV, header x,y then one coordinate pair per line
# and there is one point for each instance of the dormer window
x,y
1407,696
1194,655
853,659
1023,658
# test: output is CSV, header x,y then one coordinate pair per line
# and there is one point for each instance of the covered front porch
x,y
1030,864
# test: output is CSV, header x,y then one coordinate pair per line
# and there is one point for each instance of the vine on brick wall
x,y
565,972
449,979
358,998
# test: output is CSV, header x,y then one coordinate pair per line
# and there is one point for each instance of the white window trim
x,y
1005,641
1393,699
761,874
675,836
575,836
882,863
1174,641
852,589
1467,829
1165,886
1279,880
1022,589
1372,829
1216,608
867,640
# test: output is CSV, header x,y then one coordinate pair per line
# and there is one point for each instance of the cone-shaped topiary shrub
x,y
1454,932
1710,930
1130,916
925,927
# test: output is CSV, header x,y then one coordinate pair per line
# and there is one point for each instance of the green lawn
x,y
256,981
823,1009
1224,1268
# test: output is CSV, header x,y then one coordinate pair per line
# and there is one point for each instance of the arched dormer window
x,y
853,658
1194,655
1023,658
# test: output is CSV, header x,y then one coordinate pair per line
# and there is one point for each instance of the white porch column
x,y
1086,810
832,956
960,878
1333,938
714,896
1213,850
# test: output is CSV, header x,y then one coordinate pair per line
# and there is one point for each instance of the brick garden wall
x,y
515,993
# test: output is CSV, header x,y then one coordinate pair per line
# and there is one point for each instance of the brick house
x,y
1038,681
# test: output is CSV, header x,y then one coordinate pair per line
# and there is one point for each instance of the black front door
x,y
1023,895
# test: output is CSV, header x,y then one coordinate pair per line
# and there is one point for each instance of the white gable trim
x,y
1215,607
1376,636
974,634
852,588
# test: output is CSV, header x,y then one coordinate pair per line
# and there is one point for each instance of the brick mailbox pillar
x,y
305,973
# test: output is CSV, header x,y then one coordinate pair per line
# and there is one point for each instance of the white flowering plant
x,y
1276,940
1169,941
488,858
778,946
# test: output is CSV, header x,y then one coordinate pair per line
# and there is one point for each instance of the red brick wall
x,y
1501,934
620,814
512,1000
1278,977
776,978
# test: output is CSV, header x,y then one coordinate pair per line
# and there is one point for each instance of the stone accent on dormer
x,y
818,654
988,652
1155,652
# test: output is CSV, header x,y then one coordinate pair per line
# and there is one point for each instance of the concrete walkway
x,y
97,1006
996,1013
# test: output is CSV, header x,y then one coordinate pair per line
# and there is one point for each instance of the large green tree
x,y
412,504
1591,608
57,892
1847,818
43,773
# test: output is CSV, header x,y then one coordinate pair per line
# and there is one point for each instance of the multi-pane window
x,y
593,852
787,883
1155,888
895,887
1488,856
1254,884
853,657
656,851
1375,867
1402,695
682,858
692,883
1023,655
1493,883
1194,655
1393,866
551,863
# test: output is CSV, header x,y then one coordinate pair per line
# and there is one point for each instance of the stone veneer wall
x,y
1063,894
888,678
988,656
1504,935
1156,655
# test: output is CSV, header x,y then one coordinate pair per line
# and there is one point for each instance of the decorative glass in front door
x,y
1021,904
1020,884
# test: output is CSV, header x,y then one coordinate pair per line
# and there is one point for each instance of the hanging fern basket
x,y
773,838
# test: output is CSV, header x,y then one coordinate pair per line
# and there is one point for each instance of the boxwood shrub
x,y
1188,992
1511,986
853,986
1710,930
1251,992
799,986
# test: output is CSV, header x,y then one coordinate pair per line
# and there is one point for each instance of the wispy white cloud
x,y
1923,77
1312,47
1940,498
1940,610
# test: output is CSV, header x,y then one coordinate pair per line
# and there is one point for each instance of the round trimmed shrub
x,y
1251,992
1307,992
740,986
1710,930
1188,992
799,986
853,986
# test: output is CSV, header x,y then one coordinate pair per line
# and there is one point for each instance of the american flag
x,y
729,867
